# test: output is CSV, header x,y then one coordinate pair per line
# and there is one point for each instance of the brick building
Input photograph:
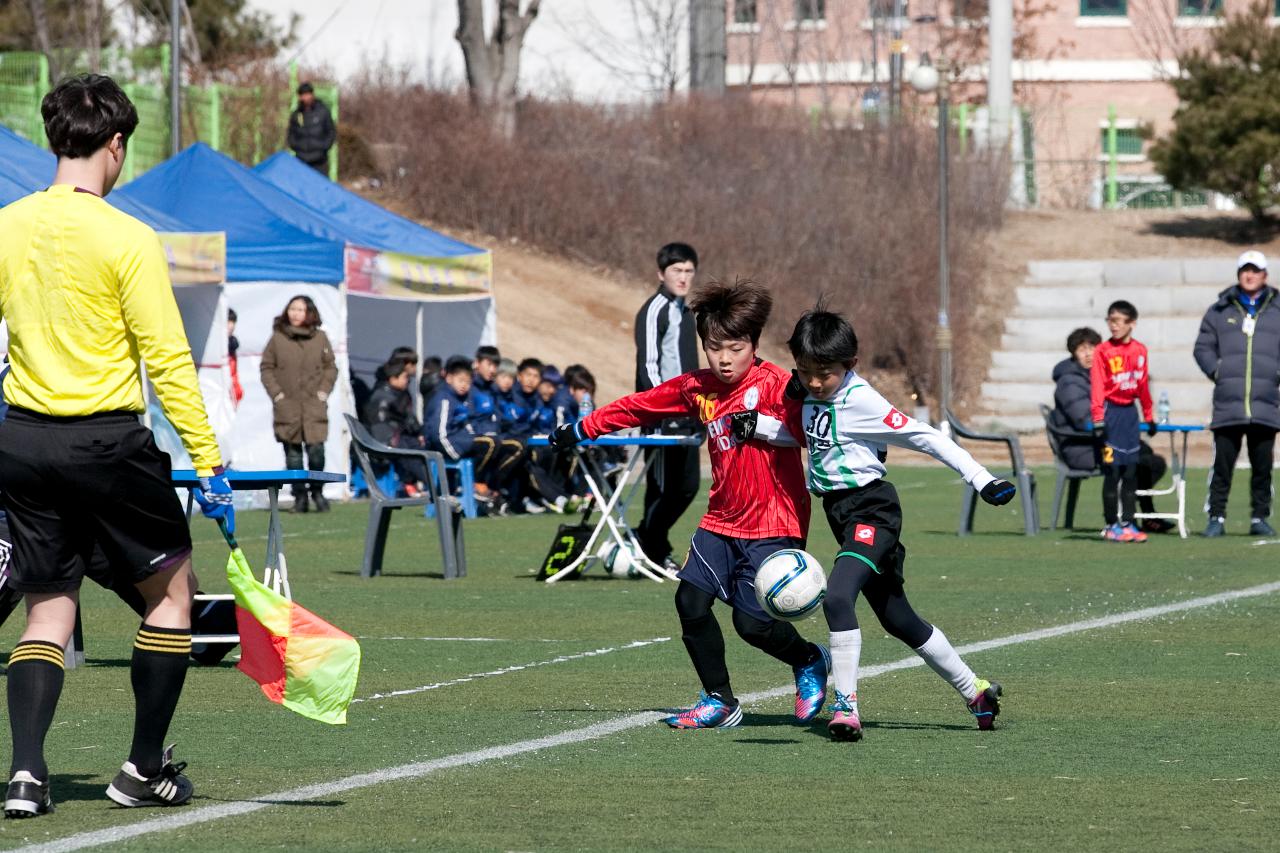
x,y
1073,61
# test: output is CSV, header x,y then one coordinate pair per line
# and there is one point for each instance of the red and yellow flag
x,y
300,660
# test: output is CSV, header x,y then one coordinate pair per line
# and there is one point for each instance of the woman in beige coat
x,y
298,371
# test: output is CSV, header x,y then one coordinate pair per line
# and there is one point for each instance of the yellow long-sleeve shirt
x,y
85,290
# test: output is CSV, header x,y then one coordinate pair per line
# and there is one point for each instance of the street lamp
x,y
925,79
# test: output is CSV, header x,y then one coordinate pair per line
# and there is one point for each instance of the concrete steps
x,y
1171,296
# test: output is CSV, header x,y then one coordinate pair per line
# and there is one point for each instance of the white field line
x,y
204,814
507,670
472,639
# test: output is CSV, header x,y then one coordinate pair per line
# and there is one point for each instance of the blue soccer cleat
x,y
709,713
811,685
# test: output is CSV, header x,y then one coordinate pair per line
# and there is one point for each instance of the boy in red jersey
x,y
1118,379
758,502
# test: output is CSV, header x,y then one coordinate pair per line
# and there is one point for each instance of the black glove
x,y
998,492
795,388
1100,432
566,436
1152,429
743,426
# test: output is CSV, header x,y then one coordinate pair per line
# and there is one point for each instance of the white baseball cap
x,y
1254,257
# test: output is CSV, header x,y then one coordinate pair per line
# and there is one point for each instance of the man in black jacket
x,y
1071,413
311,130
666,347
1239,349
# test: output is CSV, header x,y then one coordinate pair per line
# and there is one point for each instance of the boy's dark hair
x,y
571,371
488,354
823,337
82,113
231,315
431,364
313,313
676,253
1082,335
580,379
409,354
731,312
529,363
1124,307
395,366
457,364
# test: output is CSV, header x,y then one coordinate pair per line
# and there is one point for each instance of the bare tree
x,y
493,59
647,55
40,19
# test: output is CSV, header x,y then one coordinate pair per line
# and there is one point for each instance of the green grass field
x,y
1157,734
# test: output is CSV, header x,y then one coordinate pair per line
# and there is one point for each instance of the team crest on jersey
x,y
895,419
864,534
751,398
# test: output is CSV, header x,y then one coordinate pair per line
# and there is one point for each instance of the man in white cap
x,y
1239,349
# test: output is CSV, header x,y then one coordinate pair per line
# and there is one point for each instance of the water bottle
x,y
585,406
1162,408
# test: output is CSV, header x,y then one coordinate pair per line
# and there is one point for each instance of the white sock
x,y
846,649
941,656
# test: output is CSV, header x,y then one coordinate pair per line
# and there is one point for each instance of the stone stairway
x,y
1057,296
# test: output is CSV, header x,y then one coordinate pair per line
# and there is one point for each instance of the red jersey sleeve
x,y
667,400
1144,385
1098,383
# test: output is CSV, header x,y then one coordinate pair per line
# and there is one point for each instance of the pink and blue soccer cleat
x,y
811,685
845,724
986,705
709,713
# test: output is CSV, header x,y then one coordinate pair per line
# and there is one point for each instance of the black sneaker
x,y
27,797
1259,527
1215,528
167,788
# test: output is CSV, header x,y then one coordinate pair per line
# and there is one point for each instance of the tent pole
x,y
422,357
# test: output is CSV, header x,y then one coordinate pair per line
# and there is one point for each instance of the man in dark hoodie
x,y
1239,349
1071,412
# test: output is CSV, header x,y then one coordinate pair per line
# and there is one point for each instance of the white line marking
x,y
472,639
204,814
507,670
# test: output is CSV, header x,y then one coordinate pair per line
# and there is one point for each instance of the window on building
x,y
1199,8
744,12
1116,8
976,10
883,9
816,10
1129,141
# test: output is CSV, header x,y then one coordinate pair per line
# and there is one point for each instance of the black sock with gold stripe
x,y
159,668
35,683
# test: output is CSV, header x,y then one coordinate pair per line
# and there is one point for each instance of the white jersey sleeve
x,y
867,416
774,431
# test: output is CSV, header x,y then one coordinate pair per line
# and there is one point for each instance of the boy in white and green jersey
x,y
847,427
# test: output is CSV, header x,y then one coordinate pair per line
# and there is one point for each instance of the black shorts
x,y
867,522
1124,434
725,566
70,484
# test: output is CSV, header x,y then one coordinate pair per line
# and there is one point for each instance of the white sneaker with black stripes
x,y
167,788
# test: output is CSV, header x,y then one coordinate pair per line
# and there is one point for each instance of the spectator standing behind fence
x,y
667,347
311,130
298,371
1071,412
1239,349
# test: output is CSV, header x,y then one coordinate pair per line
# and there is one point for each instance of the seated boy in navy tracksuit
x,y
448,428
518,402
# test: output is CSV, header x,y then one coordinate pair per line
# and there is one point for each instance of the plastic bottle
x,y
1162,408
585,406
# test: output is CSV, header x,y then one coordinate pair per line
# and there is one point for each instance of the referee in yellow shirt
x,y
85,290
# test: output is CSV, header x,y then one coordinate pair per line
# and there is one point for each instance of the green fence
x,y
246,123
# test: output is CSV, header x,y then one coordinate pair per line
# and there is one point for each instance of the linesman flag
x,y
300,660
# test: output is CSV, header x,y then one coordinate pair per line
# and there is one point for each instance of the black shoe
x,y
1215,528
1157,525
301,503
1259,527
27,797
321,502
167,788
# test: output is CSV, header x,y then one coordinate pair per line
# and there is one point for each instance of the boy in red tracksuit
x,y
758,503
1118,379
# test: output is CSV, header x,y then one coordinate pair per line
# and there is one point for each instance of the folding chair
x,y
1068,478
1020,474
381,505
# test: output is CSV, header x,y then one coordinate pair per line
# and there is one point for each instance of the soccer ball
x,y
790,585
618,562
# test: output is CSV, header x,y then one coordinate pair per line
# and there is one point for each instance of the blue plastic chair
x,y
466,484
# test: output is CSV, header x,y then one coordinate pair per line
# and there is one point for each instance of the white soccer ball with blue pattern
x,y
790,585
618,562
